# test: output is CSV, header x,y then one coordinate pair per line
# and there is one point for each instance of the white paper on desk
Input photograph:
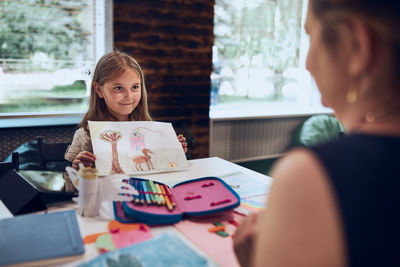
x,y
245,185
136,147
4,212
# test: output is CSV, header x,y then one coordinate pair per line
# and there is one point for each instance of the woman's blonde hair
x,y
110,66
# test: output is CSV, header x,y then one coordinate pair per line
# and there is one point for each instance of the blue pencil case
x,y
160,204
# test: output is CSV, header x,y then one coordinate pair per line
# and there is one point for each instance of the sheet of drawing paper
x,y
252,204
220,249
244,185
136,147
164,250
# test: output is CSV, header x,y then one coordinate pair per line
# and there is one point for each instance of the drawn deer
x,y
146,158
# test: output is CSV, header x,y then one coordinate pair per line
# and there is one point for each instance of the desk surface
x,y
205,167
198,168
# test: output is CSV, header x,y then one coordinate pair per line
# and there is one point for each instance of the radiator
x,y
250,139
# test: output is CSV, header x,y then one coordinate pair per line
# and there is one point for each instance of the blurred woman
x,y
337,204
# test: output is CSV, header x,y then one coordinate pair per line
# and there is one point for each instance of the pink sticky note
x,y
125,238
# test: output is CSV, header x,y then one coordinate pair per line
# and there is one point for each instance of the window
x,y
259,55
48,50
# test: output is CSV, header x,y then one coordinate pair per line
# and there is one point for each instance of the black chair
x,y
51,155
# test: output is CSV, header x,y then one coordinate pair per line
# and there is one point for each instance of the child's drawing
x,y
113,137
137,140
136,147
146,158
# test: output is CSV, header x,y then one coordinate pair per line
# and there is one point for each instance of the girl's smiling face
x,y
121,95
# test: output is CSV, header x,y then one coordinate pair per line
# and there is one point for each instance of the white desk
x,y
198,168
205,167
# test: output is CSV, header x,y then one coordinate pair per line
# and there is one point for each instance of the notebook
x,y
40,238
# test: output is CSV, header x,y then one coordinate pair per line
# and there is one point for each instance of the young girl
x,y
118,93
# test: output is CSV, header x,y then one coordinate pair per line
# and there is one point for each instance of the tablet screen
x,y
45,180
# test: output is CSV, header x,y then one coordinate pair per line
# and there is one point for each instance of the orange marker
x,y
167,202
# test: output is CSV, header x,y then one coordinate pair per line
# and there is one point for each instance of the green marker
x,y
154,189
151,192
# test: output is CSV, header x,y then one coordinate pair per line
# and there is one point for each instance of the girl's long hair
x,y
110,66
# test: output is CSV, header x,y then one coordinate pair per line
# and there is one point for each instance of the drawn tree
x,y
113,137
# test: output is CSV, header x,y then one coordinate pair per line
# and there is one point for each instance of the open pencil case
x,y
198,197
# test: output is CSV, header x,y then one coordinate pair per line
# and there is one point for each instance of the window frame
x,y
276,110
103,26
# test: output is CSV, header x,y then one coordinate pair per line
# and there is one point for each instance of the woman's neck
x,y
379,122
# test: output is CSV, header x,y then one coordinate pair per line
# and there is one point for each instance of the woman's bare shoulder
x,y
301,225
298,165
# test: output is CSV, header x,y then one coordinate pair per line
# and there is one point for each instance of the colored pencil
x,y
167,202
134,184
159,193
153,188
152,196
146,193
141,194
166,188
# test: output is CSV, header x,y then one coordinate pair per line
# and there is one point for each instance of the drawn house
x,y
137,140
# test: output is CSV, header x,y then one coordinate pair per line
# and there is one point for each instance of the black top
x,y
365,174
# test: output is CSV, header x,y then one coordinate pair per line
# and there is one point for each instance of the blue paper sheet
x,y
164,250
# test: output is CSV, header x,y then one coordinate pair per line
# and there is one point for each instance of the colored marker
x,y
141,195
134,184
152,196
166,188
159,192
167,202
153,188
146,193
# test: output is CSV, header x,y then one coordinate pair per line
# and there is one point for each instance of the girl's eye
x,y
118,88
135,87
